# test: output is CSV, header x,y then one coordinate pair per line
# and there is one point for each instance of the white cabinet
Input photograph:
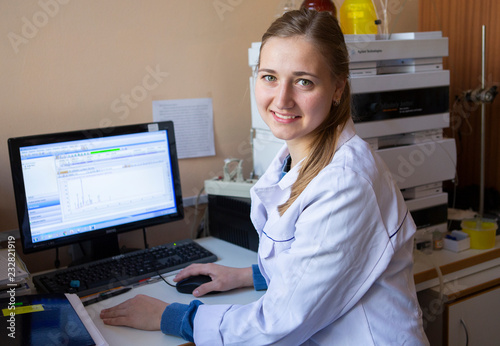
x,y
475,319
465,311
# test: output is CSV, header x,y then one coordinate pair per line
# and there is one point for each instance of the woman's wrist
x,y
245,277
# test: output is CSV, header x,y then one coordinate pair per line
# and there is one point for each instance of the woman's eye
x,y
304,82
269,78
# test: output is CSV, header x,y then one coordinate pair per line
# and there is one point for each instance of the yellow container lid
x,y
480,224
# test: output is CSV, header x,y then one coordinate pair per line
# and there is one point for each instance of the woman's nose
x,y
284,97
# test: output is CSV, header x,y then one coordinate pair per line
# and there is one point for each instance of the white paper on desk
x,y
86,320
193,125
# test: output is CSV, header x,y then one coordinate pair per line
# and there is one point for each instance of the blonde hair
x,y
323,31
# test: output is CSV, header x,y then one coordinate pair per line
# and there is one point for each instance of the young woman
x,y
336,237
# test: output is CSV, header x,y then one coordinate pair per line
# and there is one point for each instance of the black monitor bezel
x,y
14,145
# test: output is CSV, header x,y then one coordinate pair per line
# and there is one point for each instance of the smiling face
x,y
294,89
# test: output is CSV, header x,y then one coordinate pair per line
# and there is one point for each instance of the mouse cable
x,y
168,283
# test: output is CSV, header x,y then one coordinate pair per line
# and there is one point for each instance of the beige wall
x,y
65,62
68,74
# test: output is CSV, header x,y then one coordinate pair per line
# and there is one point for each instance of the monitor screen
x,y
81,185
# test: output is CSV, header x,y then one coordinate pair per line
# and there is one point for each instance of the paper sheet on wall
x,y
193,125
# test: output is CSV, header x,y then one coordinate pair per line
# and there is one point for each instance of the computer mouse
x,y
189,284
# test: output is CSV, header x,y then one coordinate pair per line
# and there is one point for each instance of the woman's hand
x,y
223,278
140,312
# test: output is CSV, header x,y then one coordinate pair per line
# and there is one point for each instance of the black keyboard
x,y
123,270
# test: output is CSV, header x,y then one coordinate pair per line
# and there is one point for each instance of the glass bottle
x,y
437,240
320,5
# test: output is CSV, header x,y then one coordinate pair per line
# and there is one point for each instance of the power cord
x,y
57,263
168,283
145,238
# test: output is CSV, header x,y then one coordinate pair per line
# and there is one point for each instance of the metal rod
x,y
483,127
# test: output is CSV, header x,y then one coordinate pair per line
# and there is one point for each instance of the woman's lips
x,y
285,116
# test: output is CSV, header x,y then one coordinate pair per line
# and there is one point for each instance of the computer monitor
x,y
76,186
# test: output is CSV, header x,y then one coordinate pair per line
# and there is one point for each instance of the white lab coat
x,y
338,263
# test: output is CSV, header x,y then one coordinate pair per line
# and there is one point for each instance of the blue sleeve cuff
x,y
259,283
178,319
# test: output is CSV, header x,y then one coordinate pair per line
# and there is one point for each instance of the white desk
x,y
453,266
228,254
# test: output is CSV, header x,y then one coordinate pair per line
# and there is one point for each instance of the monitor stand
x,y
95,249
